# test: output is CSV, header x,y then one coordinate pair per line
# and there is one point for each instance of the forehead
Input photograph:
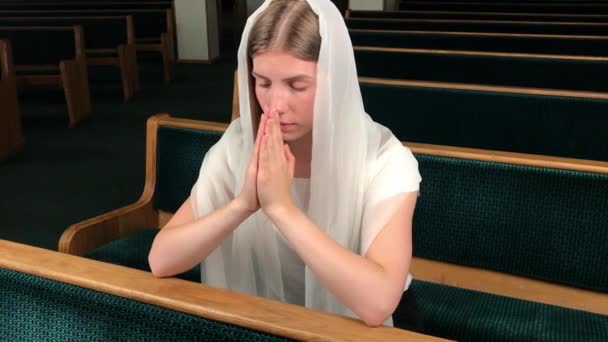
x,y
281,63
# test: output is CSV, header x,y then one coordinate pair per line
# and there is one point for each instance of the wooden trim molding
x,y
484,34
526,159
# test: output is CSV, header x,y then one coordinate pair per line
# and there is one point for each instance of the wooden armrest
x,y
85,236
196,299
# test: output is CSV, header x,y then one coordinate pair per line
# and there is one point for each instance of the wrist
x,y
241,207
281,212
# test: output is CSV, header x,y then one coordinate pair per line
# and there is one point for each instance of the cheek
x,y
260,95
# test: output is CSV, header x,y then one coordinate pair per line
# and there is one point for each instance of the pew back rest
x,y
100,32
558,125
594,29
539,222
149,23
47,309
552,72
180,152
41,45
497,42
86,5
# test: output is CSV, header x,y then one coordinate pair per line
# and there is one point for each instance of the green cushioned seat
x,y
38,309
466,315
132,251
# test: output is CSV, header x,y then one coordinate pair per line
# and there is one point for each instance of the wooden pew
x,y
518,213
478,16
569,45
89,299
53,56
108,41
576,73
525,27
84,5
507,7
11,133
154,29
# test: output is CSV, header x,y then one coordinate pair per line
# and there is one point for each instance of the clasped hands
x,y
270,171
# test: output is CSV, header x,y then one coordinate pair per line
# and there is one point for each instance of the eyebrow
x,y
300,77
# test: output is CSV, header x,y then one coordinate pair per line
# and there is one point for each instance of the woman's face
x,y
287,85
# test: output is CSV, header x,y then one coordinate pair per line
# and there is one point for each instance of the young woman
x,y
304,199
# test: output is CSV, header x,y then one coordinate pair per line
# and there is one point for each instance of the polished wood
x,y
274,317
11,131
508,285
457,21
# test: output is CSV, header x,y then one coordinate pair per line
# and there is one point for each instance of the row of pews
x,y
57,43
514,95
531,82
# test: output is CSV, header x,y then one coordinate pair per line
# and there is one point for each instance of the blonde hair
x,y
286,25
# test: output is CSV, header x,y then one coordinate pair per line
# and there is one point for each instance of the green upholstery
x,y
39,309
480,26
519,44
132,251
568,8
487,70
39,46
551,125
180,153
466,315
536,222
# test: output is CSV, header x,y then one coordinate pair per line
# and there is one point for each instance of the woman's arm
x,y
185,242
371,285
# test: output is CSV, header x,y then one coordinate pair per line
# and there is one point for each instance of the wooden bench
x,y
154,29
84,5
569,45
526,27
53,56
108,41
55,296
507,246
515,119
543,71
457,15
11,133
508,7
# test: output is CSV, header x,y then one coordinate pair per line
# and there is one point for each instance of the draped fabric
x,y
360,174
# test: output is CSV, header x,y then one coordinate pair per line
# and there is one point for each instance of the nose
x,y
277,101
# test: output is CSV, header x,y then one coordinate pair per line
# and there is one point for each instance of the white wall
x,y
197,30
366,5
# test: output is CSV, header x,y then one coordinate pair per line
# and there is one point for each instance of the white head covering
x,y
359,174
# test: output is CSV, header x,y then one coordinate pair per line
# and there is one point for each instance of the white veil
x,y
356,165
